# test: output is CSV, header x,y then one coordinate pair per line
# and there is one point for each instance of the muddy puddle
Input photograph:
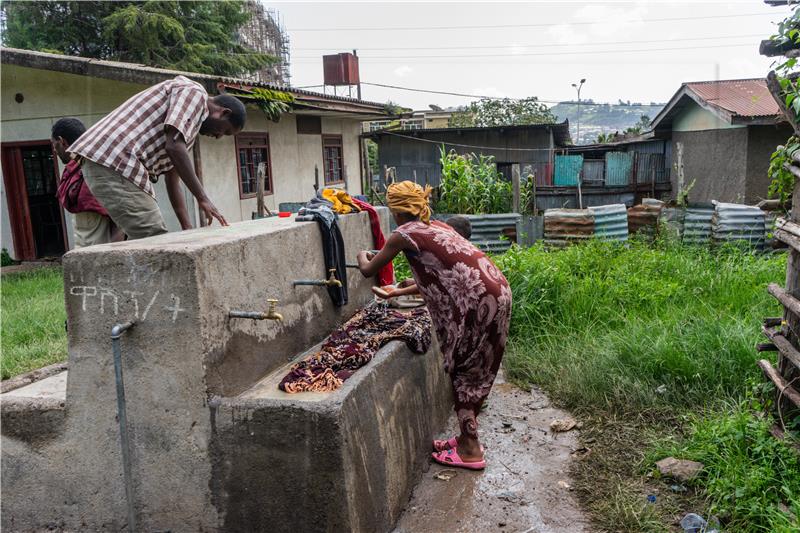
x,y
525,487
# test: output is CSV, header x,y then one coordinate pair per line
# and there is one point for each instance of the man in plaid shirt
x,y
149,135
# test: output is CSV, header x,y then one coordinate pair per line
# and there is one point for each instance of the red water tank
x,y
340,69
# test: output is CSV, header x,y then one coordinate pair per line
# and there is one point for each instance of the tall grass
x,y
32,320
653,347
625,328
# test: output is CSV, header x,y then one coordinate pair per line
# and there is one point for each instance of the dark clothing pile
x,y
355,343
321,211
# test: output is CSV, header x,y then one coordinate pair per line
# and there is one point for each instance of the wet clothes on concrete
x,y
354,344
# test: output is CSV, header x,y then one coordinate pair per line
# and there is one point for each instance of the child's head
x,y
408,201
65,132
461,224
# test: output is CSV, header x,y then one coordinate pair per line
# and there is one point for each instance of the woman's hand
x,y
384,292
363,258
369,264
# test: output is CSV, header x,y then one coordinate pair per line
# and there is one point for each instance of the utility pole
x,y
358,87
578,88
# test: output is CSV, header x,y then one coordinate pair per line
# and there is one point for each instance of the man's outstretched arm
x,y
176,198
179,155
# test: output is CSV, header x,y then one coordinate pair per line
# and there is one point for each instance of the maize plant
x,y
472,185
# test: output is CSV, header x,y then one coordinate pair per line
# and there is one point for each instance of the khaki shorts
x,y
134,211
91,228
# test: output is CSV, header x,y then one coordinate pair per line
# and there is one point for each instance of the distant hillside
x,y
602,118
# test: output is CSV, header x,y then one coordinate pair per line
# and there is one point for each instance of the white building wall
x,y
49,96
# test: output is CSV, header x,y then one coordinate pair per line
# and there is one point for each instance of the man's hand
x,y
179,155
210,212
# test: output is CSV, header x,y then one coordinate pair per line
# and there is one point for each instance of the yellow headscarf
x,y
408,197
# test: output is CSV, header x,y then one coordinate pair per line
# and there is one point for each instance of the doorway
x,y
30,176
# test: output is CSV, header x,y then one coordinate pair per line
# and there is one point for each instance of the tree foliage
x,y
502,112
782,180
195,36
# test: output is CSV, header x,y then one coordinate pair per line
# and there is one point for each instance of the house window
x,y
251,150
332,159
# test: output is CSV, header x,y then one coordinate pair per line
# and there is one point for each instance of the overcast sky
x,y
531,49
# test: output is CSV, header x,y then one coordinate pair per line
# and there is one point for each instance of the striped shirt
x,y
132,139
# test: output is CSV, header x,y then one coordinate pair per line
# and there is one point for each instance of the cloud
x,y
609,21
567,34
403,71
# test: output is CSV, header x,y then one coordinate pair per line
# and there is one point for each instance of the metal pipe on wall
x,y
122,416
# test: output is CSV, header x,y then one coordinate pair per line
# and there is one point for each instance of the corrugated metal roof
x,y
560,131
745,98
136,73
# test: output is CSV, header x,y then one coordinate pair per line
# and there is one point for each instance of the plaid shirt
x,y
132,139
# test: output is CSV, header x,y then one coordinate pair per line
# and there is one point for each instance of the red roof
x,y
745,98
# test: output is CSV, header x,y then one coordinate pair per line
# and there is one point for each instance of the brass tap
x,y
332,281
271,314
257,315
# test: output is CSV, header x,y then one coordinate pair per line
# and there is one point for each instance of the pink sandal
x,y
451,458
442,445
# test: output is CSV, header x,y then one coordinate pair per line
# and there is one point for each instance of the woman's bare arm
x,y
369,264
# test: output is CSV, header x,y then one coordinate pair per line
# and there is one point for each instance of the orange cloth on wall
x,y
342,202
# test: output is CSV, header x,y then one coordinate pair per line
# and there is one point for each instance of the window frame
x,y
343,179
240,140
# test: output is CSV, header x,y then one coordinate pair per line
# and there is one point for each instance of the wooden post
x,y
515,187
792,288
679,169
261,175
653,182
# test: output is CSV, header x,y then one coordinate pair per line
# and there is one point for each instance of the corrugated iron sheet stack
x,y
643,218
610,222
744,224
697,224
562,226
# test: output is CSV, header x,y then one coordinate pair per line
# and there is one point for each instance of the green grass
x,y
32,321
751,480
636,340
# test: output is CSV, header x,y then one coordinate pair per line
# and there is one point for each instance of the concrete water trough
x,y
213,444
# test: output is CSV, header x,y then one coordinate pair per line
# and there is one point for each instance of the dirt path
x,y
519,492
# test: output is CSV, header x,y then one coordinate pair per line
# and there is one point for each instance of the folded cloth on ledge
x,y
342,202
355,343
385,274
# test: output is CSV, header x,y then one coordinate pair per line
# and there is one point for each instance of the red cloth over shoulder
x,y
73,194
386,274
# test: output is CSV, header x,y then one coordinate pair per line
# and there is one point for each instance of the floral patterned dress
x,y
470,304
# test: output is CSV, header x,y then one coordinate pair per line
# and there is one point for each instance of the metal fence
x,y
619,168
568,170
490,233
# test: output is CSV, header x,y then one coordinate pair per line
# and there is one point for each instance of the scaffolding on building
x,y
264,33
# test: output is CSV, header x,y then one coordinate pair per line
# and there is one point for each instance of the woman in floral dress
x,y
469,301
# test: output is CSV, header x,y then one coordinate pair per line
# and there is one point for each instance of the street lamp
x,y
578,88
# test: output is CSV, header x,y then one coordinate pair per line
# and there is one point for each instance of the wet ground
x,y
525,487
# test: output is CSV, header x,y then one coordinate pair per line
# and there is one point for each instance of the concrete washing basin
x,y
214,445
